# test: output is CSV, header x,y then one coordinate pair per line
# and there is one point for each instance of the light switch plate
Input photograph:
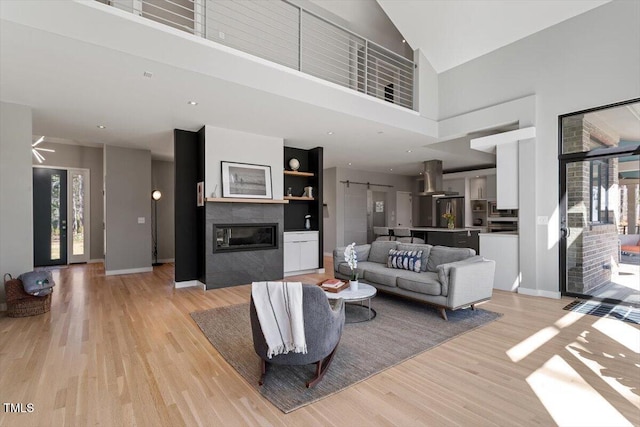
x,y
543,220
141,220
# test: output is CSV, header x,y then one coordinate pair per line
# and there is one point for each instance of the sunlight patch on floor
x,y
621,332
578,350
532,343
569,399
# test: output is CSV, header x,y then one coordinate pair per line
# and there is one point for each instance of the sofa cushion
x,y
417,247
443,271
378,273
380,251
362,252
405,260
344,268
424,283
444,254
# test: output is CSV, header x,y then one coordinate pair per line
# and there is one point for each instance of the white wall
x,y
588,61
16,192
329,211
426,91
235,146
127,198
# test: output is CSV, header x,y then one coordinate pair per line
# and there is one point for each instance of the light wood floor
x,y
123,350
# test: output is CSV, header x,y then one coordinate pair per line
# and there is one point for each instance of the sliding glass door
x,y
599,173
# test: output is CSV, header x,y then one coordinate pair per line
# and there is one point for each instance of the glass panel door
x,y
79,219
49,217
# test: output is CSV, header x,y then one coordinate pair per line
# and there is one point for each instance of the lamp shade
x,y
156,195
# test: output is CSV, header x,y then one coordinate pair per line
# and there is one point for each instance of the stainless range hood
x,y
432,173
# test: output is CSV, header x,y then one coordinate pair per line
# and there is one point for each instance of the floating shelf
x,y
298,198
297,173
230,200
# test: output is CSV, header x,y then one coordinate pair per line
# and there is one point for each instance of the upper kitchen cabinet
x,y
507,176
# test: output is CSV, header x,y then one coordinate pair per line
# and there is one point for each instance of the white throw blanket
x,y
279,309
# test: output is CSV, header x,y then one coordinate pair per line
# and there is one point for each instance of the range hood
x,y
432,173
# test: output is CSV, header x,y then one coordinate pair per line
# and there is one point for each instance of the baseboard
x,y
320,271
329,254
167,260
539,293
298,273
128,271
189,284
95,261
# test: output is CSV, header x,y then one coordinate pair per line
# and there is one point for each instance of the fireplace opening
x,y
244,237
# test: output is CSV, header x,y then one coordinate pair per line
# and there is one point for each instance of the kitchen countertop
x,y
500,234
445,230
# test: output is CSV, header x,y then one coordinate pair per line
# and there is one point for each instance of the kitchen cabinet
x,y
300,251
454,239
507,175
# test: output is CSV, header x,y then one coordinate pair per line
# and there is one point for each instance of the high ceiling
x,y
74,85
452,32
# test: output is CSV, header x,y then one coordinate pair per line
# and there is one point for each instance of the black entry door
x,y
49,217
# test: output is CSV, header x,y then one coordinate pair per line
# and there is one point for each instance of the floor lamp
x,y
155,195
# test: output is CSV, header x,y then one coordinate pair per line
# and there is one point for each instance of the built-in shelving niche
x,y
308,174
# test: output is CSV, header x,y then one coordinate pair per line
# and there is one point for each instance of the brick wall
x,y
591,248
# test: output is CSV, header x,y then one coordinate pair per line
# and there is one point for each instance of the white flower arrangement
x,y
351,258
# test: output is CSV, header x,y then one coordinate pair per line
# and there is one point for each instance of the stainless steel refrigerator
x,y
454,205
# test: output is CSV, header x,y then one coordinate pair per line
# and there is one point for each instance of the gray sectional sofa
x,y
449,278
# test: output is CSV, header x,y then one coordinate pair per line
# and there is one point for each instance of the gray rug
x,y
401,330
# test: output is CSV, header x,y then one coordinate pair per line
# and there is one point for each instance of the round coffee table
x,y
364,293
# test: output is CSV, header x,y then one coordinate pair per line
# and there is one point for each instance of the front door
x,y
49,217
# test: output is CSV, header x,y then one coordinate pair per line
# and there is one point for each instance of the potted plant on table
x,y
351,258
451,220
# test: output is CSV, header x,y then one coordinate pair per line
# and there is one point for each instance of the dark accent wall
x,y
295,211
239,268
189,218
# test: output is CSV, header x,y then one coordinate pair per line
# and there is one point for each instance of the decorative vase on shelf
x,y
353,285
451,225
294,164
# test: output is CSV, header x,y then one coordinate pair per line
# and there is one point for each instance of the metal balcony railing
x,y
281,32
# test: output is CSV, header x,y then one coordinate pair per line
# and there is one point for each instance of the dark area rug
x,y
402,329
601,309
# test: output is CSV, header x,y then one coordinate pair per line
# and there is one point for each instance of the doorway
x,y
404,208
599,171
61,220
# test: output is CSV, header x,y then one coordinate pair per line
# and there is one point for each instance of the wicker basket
x,y
21,304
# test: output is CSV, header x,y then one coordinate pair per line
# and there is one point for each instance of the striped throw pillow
x,y
405,260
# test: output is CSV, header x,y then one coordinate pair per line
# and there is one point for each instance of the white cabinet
x,y
491,187
300,251
507,175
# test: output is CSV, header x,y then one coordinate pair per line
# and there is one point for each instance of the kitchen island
x,y
452,237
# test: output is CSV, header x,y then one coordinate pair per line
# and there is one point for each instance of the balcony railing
x,y
281,32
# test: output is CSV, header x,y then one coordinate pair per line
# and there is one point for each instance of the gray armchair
x,y
322,327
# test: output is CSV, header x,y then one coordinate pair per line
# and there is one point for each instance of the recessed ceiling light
x,y
420,173
349,163
477,176
391,169
330,133
102,127
192,103
404,41
408,151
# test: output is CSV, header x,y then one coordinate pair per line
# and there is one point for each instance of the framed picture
x,y
246,181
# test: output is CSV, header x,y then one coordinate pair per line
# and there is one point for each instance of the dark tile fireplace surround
x,y
250,260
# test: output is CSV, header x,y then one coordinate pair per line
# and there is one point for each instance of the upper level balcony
x,y
289,35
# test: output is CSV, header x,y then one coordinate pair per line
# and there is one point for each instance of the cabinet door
x,y
308,252
291,256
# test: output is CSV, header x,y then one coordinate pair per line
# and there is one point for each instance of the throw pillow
x,y
405,260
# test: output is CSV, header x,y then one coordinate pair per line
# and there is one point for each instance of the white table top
x,y
364,292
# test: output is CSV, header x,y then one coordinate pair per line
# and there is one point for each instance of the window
x,y
599,179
